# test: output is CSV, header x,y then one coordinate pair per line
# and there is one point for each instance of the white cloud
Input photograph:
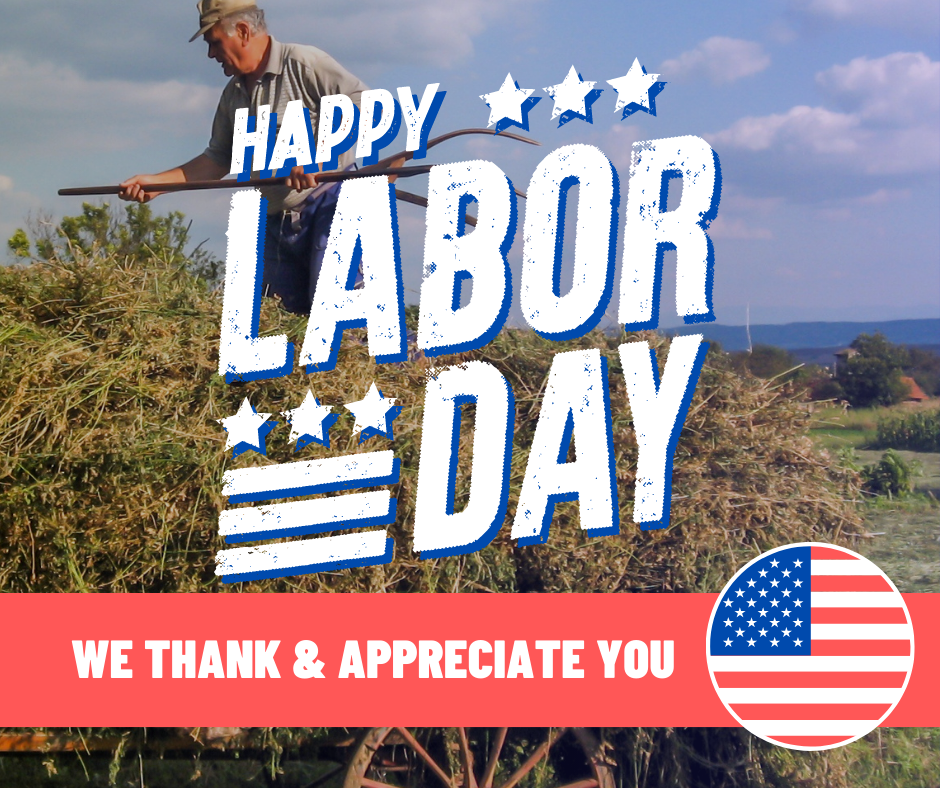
x,y
617,144
737,229
148,41
897,89
375,32
922,15
883,197
718,59
58,110
889,121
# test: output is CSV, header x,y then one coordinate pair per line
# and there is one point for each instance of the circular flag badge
x,y
810,646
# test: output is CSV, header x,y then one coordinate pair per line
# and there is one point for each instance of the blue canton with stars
x,y
766,611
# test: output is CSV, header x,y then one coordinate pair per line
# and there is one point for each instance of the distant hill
x,y
793,336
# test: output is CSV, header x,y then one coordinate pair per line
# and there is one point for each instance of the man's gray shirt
x,y
293,72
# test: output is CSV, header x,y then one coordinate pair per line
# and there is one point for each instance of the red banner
x,y
415,659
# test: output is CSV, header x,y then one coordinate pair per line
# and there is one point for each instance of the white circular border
x,y
708,637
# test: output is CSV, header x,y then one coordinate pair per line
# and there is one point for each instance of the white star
x,y
633,87
797,642
763,573
798,602
310,422
739,632
774,563
797,564
774,603
774,583
728,642
739,592
786,613
763,632
751,603
727,622
763,592
751,622
246,429
750,583
786,632
786,592
739,613
570,94
774,622
786,572
372,414
750,642
727,603
798,623
763,613
506,103
774,642
797,583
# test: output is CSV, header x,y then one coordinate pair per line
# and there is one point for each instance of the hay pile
x,y
111,466
111,458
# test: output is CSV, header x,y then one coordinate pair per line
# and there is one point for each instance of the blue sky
x,y
825,114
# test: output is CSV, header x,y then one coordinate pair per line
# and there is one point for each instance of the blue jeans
x,y
294,246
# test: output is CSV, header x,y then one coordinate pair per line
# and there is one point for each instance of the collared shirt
x,y
293,72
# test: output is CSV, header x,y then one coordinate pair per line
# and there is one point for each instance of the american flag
x,y
810,646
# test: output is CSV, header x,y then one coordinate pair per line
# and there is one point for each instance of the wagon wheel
x,y
470,758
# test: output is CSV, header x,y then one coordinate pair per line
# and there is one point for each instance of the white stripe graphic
x,y
855,599
843,568
836,664
861,631
849,728
809,695
298,514
285,555
280,479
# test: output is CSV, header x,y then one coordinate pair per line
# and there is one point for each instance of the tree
x,y
873,376
765,361
99,230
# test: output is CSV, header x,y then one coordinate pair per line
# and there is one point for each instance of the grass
x,y
836,428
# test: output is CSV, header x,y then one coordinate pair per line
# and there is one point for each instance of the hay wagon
x,y
383,757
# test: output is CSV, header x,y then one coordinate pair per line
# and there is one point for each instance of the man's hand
x,y
202,168
131,188
300,180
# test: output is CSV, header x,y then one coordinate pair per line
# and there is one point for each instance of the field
x,y
903,535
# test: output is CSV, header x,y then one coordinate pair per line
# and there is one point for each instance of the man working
x,y
267,72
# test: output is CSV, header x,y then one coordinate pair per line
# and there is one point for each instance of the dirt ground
x,y
905,540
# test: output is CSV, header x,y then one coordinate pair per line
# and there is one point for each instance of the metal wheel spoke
x,y
493,761
534,758
416,746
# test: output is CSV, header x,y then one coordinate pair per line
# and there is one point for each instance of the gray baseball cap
x,y
213,11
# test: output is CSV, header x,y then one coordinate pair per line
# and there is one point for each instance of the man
x,y
267,72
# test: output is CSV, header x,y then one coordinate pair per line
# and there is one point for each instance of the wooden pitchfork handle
x,y
382,167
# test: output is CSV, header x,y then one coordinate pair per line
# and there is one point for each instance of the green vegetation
x,y
917,431
836,428
892,475
766,361
873,376
101,232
